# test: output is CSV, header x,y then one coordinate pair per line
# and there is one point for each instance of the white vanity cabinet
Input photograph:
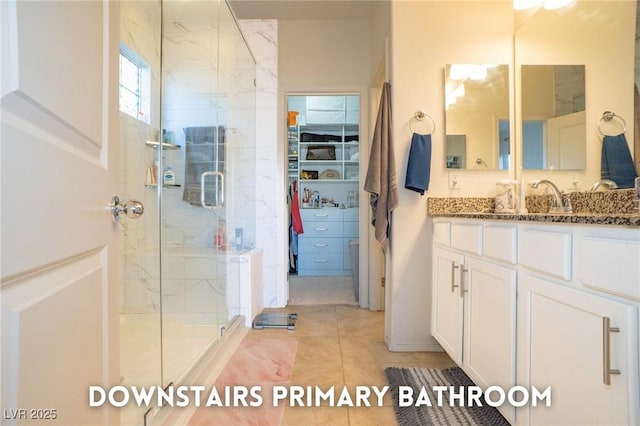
x,y
573,324
473,313
578,324
574,342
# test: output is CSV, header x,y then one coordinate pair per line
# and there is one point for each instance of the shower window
x,y
134,85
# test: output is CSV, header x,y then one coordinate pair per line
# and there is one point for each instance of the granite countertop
x,y
631,219
613,208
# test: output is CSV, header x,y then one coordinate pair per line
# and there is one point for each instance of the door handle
x,y
453,276
219,198
131,208
462,272
607,371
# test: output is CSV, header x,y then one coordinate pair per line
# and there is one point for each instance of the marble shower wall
x,y
262,37
208,81
140,284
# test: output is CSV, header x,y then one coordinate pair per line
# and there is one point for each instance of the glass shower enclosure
x,y
193,166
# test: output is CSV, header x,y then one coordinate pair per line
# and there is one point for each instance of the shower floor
x,y
140,352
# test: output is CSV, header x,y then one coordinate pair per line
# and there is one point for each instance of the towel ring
x,y
607,116
420,116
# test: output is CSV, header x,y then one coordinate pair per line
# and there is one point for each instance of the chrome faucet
x,y
559,204
607,182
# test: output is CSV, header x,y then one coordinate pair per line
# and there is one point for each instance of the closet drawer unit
x,y
320,245
350,230
467,238
499,242
351,215
321,215
321,261
547,252
609,265
322,229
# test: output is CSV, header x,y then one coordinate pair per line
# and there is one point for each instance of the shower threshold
x,y
275,320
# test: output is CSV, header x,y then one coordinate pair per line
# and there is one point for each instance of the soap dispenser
x,y
169,177
506,200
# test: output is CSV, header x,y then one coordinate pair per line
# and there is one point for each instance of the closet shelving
x,y
328,152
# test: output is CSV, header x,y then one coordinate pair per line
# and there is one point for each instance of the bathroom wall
x,y
425,37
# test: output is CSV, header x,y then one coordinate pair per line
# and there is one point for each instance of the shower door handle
x,y
131,208
219,191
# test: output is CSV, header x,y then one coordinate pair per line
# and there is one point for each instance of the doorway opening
x,y
323,185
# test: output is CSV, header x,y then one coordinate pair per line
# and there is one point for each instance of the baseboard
x,y
414,348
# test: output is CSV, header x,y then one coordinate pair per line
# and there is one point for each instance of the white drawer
x,y
350,230
466,237
609,265
351,215
321,229
321,261
321,215
320,245
441,233
499,242
547,252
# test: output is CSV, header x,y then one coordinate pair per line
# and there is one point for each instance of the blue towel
x,y
419,167
616,163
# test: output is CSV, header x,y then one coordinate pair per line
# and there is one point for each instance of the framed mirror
x,y
554,129
477,117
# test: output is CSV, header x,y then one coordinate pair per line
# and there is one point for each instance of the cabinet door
x,y
489,325
447,302
562,344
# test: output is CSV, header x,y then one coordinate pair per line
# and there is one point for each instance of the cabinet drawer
x,y
499,242
544,251
322,229
351,215
609,265
321,215
320,245
467,238
441,234
350,230
321,261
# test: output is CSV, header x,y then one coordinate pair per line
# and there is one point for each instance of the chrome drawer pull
x,y
321,229
321,245
462,272
607,371
321,215
320,260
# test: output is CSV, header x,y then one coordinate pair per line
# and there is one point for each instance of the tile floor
x,y
341,345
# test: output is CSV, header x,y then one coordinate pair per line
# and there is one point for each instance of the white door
x,y
59,286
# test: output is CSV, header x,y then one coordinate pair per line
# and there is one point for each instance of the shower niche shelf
x,y
154,144
166,185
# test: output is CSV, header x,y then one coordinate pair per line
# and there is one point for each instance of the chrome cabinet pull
x,y
607,371
453,276
321,229
462,272
321,245
321,215
320,260
131,208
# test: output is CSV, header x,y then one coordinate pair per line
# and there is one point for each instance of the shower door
x,y
208,111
